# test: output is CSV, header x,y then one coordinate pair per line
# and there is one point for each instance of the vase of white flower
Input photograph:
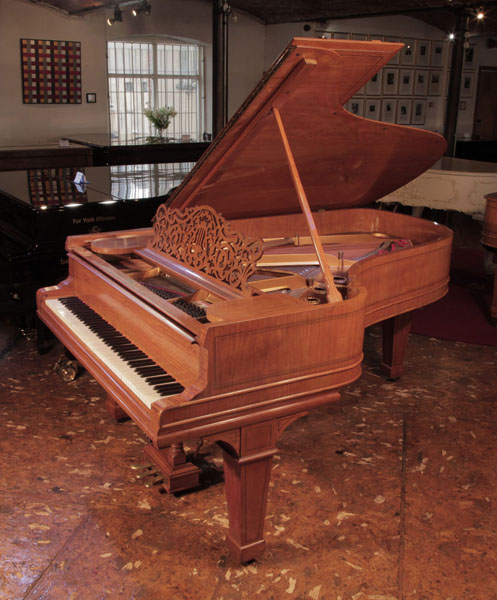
x,y
160,119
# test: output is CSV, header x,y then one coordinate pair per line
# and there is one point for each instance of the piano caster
x,y
66,369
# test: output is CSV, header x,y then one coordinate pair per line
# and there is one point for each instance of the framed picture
x,y
406,82
395,59
408,52
404,112
390,81
51,72
469,57
437,54
91,98
418,112
421,83
388,110
373,86
337,35
467,84
422,53
435,83
372,109
356,106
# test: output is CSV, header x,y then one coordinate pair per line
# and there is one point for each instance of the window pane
x,y
136,83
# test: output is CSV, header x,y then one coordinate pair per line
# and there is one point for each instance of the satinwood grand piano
x,y
245,305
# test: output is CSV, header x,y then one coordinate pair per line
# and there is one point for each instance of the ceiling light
x,y
118,16
480,15
142,7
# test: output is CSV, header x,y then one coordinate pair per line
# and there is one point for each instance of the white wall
x,y
246,58
22,124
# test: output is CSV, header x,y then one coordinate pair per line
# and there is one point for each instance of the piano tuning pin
x,y
157,479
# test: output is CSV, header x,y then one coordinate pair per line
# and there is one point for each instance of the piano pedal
x,y
141,467
66,369
159,478
146,470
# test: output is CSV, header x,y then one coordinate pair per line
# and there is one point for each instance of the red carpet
x,y
463,314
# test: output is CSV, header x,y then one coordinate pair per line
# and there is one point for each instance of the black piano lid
x,y
343,160
54,188
41,207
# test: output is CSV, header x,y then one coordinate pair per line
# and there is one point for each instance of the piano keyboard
x,y
145,378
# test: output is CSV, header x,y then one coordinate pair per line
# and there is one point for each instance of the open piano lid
x,y
342,160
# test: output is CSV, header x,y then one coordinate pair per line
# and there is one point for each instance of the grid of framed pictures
x,y
468,74
411,81
404,111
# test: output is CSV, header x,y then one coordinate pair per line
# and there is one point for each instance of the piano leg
x,y
248,454
247,484
179,473
395,336
114,410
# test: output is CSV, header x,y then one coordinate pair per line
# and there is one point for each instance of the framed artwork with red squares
x,y
51,72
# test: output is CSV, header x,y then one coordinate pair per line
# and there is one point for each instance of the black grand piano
x,y
40,207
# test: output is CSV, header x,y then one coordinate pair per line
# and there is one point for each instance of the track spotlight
x,y
118,16
143,7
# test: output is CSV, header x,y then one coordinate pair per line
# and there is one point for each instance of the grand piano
x,y
244,306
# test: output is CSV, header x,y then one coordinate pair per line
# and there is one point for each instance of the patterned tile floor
x,y
389,494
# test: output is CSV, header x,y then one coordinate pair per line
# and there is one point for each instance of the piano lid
x,y
342,160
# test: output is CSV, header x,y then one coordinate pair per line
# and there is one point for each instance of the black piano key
x,y
169,390
153,379
147,371
140,362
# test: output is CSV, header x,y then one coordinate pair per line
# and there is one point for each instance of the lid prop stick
x,y
332,294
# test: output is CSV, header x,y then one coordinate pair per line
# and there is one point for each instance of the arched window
x,y
151,75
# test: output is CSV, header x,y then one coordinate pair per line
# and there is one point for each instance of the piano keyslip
x,y
147,380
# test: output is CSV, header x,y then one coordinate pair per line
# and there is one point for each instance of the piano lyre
x,y
245,305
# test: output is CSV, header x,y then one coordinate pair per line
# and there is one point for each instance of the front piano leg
x,y
395,336
247,471
247,483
